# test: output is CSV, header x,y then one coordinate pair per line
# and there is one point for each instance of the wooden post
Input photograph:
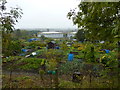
x,y
50,79
56,78
90,79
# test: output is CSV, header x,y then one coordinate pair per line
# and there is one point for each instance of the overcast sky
x,y
44,13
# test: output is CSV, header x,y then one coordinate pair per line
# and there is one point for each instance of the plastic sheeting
x,y
34,53
107,51
24,50
57,47
33,39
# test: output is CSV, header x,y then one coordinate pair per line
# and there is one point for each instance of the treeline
x,y
24,34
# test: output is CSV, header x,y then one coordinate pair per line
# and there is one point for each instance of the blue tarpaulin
x,y
57,47
24,50
33,39
107,51
70,57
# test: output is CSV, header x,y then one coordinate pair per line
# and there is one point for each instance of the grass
x,y
65,81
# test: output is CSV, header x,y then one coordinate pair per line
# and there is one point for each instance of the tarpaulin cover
x,y
24,50
57,47
33,39
107,51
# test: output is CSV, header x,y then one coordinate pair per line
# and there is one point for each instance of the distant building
x,y
57,34
71,34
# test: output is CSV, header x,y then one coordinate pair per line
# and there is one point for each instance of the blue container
x,y
70,57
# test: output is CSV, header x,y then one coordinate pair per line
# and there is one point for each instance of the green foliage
x,y
36,43
23,78
43,37
7,22
47,40
52,64
18,62
8,19
80,55
23,34
109,45
64,47
5,42
16,35
89,54
11,48
109,59
55,54
68,84
10,63
80,35
100,20
11,59
41,72
30,63
70,67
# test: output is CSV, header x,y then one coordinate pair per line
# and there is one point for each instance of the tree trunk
x,y
118,63
92,55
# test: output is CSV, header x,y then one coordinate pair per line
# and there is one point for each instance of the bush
x,y
58,55
70,66
12,49
23,63
68,84
30,63
36,43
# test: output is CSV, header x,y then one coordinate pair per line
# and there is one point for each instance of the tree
x,y
7,22
80,35
18,33
43,37
8,19
99,19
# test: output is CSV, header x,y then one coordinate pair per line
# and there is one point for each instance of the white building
x,y
71,34
57,34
